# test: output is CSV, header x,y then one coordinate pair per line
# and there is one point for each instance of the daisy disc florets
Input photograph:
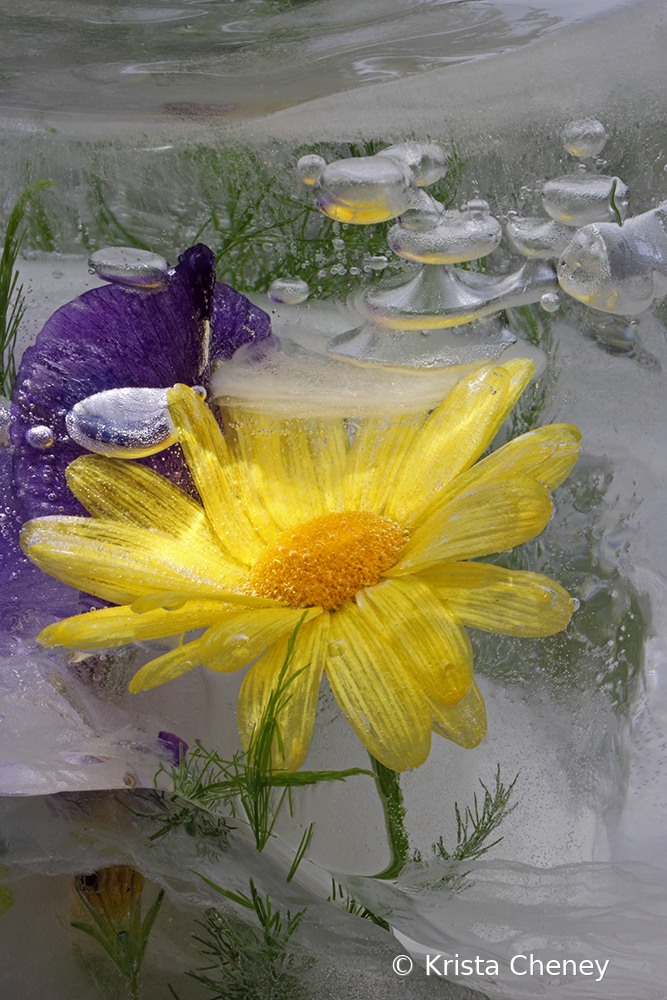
x,y
370,538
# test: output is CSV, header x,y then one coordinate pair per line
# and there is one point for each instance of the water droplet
x,y
40,436
139,269
200,390
337,648
584,137
239,641
426,160
122,423
310,167
365,189
289,291
550,302
338,243
577,200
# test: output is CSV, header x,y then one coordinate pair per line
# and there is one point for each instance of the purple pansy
x,y
112,337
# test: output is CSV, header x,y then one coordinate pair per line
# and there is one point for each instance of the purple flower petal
x,y
109,338
172,746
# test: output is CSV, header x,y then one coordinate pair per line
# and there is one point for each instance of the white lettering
x,y
588,971
533,963
492,968
569,961
516,971
430,967
601,969
466,967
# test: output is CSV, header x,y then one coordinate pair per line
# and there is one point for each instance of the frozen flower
x,y
369,539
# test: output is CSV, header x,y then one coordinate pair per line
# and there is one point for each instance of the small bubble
x,y
40,436
376,263
550,302
337,648
289,291
339,244
310,167
584,137
139,269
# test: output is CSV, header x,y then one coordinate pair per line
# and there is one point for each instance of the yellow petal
x,y
242,636
166,668
373,683
414,618
120,562
117,490
221,483
464,723
116,626
297,718
380,447
455,435
511,602
547,454
489,517
294,464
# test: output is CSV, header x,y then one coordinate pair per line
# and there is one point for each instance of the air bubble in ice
x,y
289,291
618,269
424,213
377,263
476,207
577,200
310,167
40,436
122,423
585,137
458,238
139,269
426,160
365,189
338,243
550,302
337,648
535,237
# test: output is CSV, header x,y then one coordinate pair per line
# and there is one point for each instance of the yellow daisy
x,y
369,537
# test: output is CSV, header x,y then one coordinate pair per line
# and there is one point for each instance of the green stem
x,y
389,789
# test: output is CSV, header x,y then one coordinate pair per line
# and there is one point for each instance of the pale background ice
x,y
579,872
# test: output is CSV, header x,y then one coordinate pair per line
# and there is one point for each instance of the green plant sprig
x,y
12,303
474,826
204,783
352,906
245,964
125,945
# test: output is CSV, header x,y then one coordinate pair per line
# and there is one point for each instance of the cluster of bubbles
x,y
585,244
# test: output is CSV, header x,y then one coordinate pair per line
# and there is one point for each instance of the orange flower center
x,y
325,561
